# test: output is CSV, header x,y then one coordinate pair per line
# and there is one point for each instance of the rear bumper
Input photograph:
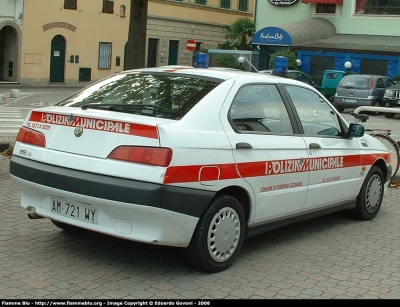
x,y
391,103
134,210
352,102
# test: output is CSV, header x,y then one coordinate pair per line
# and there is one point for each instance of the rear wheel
x,y
389,115
376,104
370,198
218,236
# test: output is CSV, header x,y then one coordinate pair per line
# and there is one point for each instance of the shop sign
x,y
283,2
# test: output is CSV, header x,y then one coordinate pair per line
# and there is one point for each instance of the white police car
x,y
195,158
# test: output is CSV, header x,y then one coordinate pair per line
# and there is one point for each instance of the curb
x,y
7,143
4,146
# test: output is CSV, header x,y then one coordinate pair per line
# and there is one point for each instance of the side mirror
x,y
355,130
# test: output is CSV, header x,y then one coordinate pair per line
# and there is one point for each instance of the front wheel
x,y
218,236
340,108
370,198
389,115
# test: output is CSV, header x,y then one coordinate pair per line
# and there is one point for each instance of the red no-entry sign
x,y
191,44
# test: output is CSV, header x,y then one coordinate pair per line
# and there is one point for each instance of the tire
x,y
376,104
389,115
66,227
394,151
369,200
218,236
340,108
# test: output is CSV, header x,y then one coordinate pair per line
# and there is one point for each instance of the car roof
x,y
367,76
270,71
222,73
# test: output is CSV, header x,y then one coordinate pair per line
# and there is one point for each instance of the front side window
x,y
225,4
70,4
105,55
108,7
374,7
243,5
259,109
316,116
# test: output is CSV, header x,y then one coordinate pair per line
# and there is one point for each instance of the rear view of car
x,y
195,158
361,90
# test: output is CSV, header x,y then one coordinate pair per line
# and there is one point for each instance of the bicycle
x,y
383,135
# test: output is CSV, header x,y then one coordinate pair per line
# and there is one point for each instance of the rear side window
x,y
259,108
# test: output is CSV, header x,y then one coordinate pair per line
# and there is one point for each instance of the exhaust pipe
x,y
35,216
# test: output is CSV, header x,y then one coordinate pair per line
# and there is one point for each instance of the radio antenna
x,y
246,59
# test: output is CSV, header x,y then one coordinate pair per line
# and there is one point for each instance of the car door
x,y
334,160
269,156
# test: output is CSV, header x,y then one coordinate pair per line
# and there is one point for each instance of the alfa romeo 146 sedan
x,y
195,158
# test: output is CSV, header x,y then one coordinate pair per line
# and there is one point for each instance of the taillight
x,y
371,83
146,155
26,135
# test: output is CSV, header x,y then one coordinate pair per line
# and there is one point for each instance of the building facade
x,y
76,42
11,14
360,35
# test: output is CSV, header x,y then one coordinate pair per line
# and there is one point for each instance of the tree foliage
x,y
286,52
226,60
239,34
135,51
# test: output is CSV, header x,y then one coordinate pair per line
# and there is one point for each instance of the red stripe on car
x,y
95,124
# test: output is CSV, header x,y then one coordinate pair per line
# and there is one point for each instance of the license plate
x,y
351,100
81,212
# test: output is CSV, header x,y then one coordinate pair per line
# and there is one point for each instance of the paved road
x,y
333,257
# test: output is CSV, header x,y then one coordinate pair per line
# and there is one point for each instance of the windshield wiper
x,y
144,109
96,106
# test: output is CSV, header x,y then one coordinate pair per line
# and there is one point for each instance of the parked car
x,y
361,90
195,158
330,81
295,75
391,99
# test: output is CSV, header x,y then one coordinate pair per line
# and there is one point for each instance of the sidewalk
x,y
45,93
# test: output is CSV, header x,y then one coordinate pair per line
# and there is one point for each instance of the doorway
x,y
9,54
57,59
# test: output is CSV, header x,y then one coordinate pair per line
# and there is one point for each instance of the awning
x,y
355,43
323,1
295,33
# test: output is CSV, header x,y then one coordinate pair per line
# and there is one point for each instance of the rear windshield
x,y
356,82
156,95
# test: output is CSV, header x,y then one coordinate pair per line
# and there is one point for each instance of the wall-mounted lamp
x,y
193,27
298,62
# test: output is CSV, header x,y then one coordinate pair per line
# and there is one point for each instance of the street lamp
x,y
298,62
347,65
241,61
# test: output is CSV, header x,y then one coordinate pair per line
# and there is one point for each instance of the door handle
x,y
243,145
314,146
